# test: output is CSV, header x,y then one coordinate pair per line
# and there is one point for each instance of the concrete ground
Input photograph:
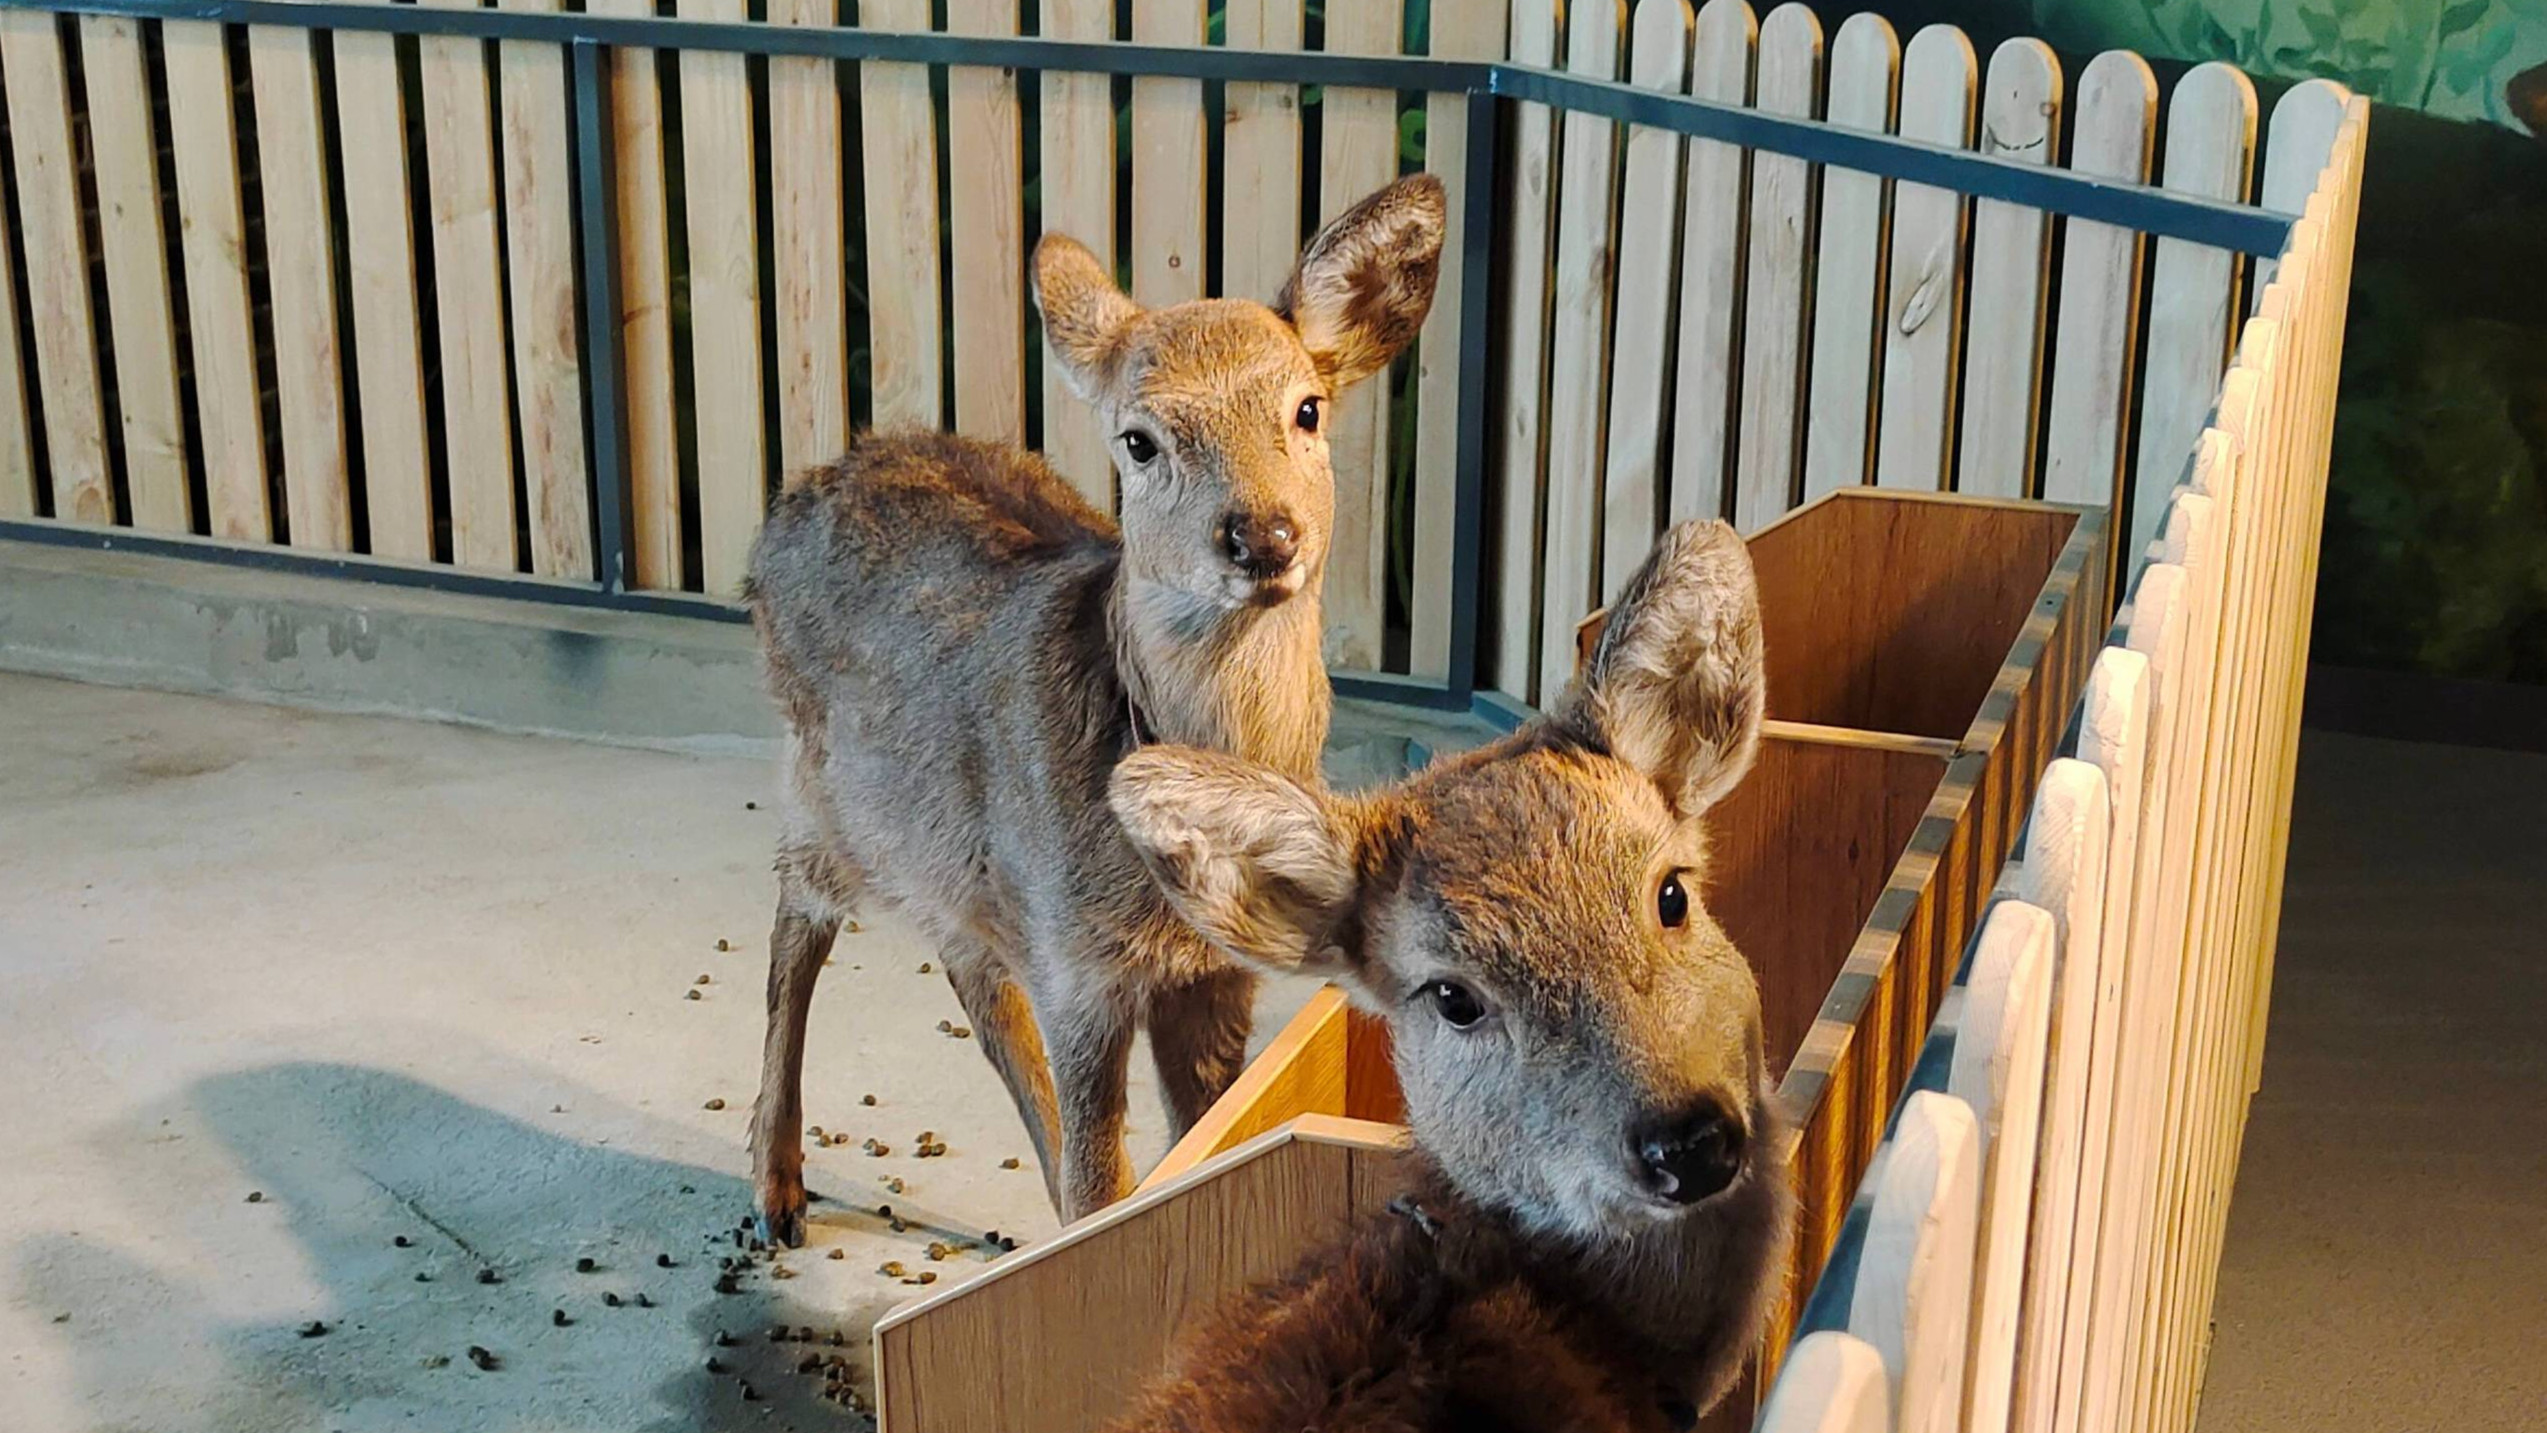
x,y
280,990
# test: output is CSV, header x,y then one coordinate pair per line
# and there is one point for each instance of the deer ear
x,y
1261,865
1084,313
1675,687
1365,283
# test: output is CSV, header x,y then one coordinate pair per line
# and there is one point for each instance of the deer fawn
x,y
1598,1212
963,649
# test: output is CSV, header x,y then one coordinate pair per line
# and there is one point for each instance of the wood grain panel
x,y
56,256
380,254
1077,187
477,424
986,224
807,219
125,155
548,368
300,256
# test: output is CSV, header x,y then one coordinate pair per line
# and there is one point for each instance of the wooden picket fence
x,y
2037,1244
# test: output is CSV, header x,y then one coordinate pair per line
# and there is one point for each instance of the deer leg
x,y
1198,1035
1090,1041
799,941
1004,1023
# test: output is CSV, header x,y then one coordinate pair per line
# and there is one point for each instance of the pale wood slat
x,y
645,312
380,254
1474,30
57,266
2011,271
1848,274
1578,363
301,267
126,157
1997,1069
725,299
548,370
477,428
1260,149
986,223
1831,1382
1770,443
1913,1299
2296,148
204,133
1711,271
1167,161
1648,255
1923,309
898,136
807,210
1359,155
1078,200
2100,290
17,457
1512,663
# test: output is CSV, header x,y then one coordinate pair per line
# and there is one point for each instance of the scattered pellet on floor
x,y
778,1333
944,1026
751,806
726,1284
256,1196
837,1254
928,1276
724,1339
423,1278
690,994
749,1396
610,1300
852,927
489,1276
585,1265
702,980
813,1131
723,944
485,1360
962,1032
1009,1163
805,1333
991,1237
1008,1244
642,1301
878,1147
714,1104
664,1261
894,1183
403,1242
937,1250
890,1268
313,1329
781,1271
557,1318
715,1365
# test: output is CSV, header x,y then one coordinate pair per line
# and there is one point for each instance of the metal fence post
x,y
597,196
1476,293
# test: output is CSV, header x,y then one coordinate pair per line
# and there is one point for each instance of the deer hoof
x,y
780,1231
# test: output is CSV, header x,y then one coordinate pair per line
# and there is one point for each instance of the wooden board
x,y
1770,448
1260,164
1512,662
898,135
1913,1299
1832,1383
206,152
477,425
2011,268
1648,260
380,262
2100,290
1168,190
721,173
56,254
301,268
645,311
548,370
18,477
1997,1069
1712,228
1077,185
807,218
1848,273
125,155
1923,309
986,225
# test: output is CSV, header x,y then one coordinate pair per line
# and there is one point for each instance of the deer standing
x,y
963,649
1598,1213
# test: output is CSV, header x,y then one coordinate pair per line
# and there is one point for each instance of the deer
x,y
962,649
1597,1217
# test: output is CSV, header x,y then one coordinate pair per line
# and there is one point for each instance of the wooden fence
x,y
2037,1243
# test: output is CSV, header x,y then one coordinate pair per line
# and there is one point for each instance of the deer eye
x,y
1311,409
1456,1003
1137,445
1671,903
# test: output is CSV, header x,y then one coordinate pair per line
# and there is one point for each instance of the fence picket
x,y
645,311
1770,445
1712,227
1078,200
807,212
57,266
986,227
1997,1069
125,154
1848,274
1913,1300
1260,149
1649,205
1923,311
380,265
2100,289
1511,665
1578,363
1831,1382
1168,184
898,136
469,290
725,299
548,368
2011,268
301,267
17,447
203,131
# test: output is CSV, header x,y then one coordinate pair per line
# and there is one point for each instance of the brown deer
x,y
962,649
1597,1211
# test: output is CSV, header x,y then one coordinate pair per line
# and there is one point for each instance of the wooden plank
x,y
2193,288
2296,148
2100,290
1848,274
1712,228
380,262
1302,1071
126,156
1923,310
539,235
1997,1069
204,134
1168,202
1512,663
301,269
1831,1382
1771,442
898,137
807,230
1648,253
1462,29
986,224
1358,155
1078,200
721,172
2011,270
1578,365
57,266
477,426
645,311
18,477
1913,1300
1260,147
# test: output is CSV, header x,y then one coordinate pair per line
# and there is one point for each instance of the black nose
x,y
1694,1156
1262,545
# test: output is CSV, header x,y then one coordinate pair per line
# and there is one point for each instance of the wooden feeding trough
x,y
1923,651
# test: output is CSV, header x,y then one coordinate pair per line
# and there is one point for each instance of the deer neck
x,y
1248,681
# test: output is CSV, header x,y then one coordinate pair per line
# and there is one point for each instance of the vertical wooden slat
x,y
1923,313
57,266
204,131
806,233
1358,155
2100,290
539,235
1913,1299
1470,30
1830,1383
1579,362
1260,149
477,427
725,297
17,455
1711,271
1771,442
380,254
1848,275
1648,252
1997,1069
986,220
126,155
1167,162
645,310
898,133
2193,288
2011,268
1078,200
1512,665
301,267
